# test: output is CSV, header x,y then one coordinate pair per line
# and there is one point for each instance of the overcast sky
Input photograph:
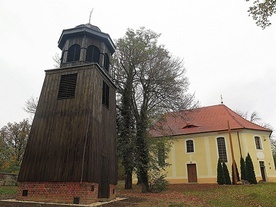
x,y
224,52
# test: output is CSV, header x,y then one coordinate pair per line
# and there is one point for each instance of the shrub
x,y
250,173
220,176
226,174
158,183
243,169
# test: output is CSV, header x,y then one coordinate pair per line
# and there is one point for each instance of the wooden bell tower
x,y
71,152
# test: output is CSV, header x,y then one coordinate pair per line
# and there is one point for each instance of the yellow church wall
x,y
264,154
205,155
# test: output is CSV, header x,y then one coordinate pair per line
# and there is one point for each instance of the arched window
x,y
106,62
93,54
73,53
190,146
222,149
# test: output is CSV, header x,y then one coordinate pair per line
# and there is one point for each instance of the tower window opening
x,y
92,54
67,86
105,95
106,62
73,53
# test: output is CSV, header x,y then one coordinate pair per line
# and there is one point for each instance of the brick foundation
x,y
112,192
60,192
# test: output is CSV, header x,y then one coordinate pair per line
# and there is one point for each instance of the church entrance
x,y
192,175
262,168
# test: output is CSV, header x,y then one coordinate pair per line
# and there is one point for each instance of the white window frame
x,y
186,148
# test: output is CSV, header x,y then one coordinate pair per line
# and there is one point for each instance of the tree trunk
x,y
128,180
144,182
127,133
142,150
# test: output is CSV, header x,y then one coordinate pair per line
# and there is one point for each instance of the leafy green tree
x,y
126,132
150,81
220,175
243,169
261,11
14,138
226,174
5,153
250,173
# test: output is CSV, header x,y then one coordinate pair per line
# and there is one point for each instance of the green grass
x,y
176,205
240,195
8,190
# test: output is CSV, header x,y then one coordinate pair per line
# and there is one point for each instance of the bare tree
x,y
254,117
31,105
57,60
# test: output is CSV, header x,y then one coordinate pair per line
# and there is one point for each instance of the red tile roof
x,y
201,120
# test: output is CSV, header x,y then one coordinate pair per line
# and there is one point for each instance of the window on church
x,y
73,53
92,54
106,62
258,142
189,146
67,86
105,95
222,149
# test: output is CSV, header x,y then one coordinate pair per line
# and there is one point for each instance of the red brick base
x,y
60,192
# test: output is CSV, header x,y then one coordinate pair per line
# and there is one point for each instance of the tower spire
x,y
221,99
90,15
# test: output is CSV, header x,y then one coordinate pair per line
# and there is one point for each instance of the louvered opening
x,y
67,86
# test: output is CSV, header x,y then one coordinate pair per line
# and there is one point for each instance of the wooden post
x,y
235,179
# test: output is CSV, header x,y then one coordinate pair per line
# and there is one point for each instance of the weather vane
x,y
90,15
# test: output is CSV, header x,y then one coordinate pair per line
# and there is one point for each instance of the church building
x,y
199,137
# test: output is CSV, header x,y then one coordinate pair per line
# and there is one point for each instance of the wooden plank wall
x,y
63,131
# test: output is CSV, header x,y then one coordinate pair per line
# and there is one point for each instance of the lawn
x,y
188,195
260,195
8,190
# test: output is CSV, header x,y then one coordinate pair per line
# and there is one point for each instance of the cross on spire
x,y
90,15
